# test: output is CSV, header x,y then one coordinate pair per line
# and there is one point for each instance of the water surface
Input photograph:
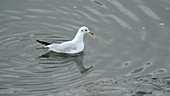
x,y
129,56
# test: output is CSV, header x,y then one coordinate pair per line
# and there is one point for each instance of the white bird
x,y
71,47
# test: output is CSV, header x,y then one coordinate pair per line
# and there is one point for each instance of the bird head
x,y
84,29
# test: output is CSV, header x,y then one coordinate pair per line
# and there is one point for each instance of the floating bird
x,y
71,47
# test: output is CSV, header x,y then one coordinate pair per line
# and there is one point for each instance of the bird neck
x,y
79,37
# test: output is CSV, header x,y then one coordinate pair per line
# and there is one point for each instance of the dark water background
x,y
130,54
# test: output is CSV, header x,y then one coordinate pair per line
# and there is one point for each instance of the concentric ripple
x,y
132,40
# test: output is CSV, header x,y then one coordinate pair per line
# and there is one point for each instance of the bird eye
x,y
85,29
81,30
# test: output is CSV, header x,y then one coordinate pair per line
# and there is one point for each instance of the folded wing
x,y
64,47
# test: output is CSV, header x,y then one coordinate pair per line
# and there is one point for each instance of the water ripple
x,y
124,10
88,16
120,21
99,3
42,11
28,69
149,12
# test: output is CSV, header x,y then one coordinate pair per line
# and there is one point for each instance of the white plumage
x,y
74,46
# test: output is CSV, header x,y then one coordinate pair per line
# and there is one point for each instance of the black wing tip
x,y
38,40
43,42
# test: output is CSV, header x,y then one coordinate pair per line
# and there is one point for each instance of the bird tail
x,y
43,42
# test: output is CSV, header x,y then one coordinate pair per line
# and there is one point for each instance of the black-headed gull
x,y
74,46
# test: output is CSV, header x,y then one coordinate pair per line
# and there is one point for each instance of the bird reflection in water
x,y
77,58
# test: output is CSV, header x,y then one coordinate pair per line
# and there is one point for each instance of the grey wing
x,y
65,46
68,46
